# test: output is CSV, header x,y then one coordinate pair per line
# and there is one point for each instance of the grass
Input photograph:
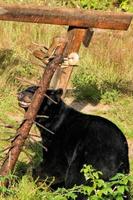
x,y
104,75
120,113
27,188
106,66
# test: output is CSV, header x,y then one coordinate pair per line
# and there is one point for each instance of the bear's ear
x,y
59,93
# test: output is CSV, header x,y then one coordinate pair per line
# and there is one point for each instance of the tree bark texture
x,y
65,16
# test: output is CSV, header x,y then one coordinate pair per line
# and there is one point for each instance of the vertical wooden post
x,y
75,37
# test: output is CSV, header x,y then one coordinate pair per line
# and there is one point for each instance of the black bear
x,y
73,139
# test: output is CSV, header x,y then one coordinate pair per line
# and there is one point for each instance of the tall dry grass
x,y
15,38
109,56
108,61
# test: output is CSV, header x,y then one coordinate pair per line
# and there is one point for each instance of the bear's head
x,y
50,103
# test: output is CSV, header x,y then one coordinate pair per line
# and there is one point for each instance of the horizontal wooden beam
x,y
64,16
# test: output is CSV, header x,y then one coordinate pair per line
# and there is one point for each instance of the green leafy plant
x,y
115,188
125,5
95,189
95,4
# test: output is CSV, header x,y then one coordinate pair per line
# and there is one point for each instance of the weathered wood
x,y
75,37
64,16
87,38
23,131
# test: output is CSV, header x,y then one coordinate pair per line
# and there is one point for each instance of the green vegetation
x,y
107,67
27,189
125,5
104,76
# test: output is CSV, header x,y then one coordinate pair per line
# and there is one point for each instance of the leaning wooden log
x,y
29,118
64,16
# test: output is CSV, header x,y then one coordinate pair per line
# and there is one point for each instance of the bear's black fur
x,y
76,139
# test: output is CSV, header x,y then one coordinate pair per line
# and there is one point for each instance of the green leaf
x,y
119,198
121,189
87,190
101,183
